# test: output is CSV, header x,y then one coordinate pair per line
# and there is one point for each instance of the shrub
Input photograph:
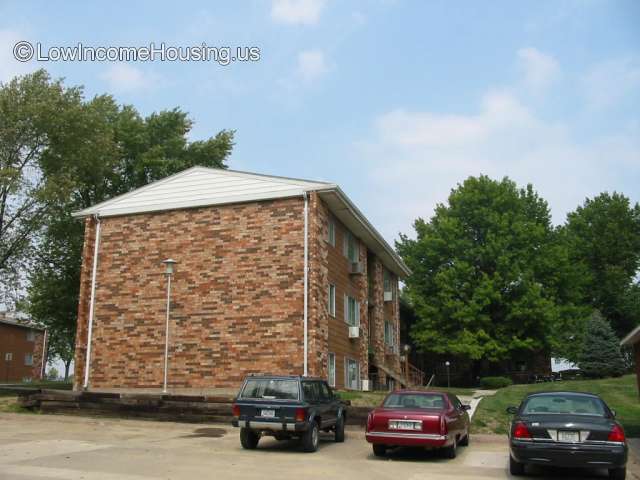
x,y
495,382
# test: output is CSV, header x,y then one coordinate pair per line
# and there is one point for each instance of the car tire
x,y
452,450
311,438
379,450
465,441
515,468
339,432
618,473
248,438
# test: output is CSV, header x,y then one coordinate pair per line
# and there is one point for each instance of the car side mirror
x,y
347,402
512,410
613,413
466,407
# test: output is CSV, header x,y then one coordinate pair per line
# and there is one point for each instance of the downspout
x,y
44,355
92,302
306,279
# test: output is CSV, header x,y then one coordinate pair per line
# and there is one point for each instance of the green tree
x,y
601,355
489,276
603,238
37,125
120,151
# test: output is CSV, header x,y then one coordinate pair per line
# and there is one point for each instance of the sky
x,y
396,101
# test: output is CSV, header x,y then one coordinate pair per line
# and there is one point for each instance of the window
x,y
387,281
352,374
415,400
28,359
351,247
388,333
31,336
351,311
332,369
272,389
310,390
325,393
332,300
8,357
331,233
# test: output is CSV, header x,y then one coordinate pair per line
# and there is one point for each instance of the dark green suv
x,y
287,407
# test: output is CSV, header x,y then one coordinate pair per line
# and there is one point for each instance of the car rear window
x,y
271,389
564,404
414,400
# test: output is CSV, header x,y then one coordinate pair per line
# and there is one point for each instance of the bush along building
x,y
272,275
23,348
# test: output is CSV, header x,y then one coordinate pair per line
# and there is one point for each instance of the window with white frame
x,y
332,300
28,359
331,232
351,311
31,336
351,250
8,357
332,369
389,334
351,374
387,283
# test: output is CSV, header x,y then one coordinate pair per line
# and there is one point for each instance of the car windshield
x,y
271,389
563,403
414,400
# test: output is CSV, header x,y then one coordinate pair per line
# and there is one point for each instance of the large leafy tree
x,y
38,124
489,278
603,238
120,150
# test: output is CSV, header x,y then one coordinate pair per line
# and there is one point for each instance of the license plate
x,y
405,425
268,413
572,437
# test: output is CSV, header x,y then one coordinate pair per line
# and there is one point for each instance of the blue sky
x,y
397,101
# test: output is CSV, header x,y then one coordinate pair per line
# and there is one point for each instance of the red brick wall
x,y
14,340
237,296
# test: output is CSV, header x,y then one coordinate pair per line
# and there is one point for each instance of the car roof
x,y
419,392
284,377
562,392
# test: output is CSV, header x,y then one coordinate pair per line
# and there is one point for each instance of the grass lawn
x,y
621,395
373,399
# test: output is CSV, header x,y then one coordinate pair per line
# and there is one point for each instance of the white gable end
x,y
200,186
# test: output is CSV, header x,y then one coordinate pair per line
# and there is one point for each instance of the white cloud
x,y
9,66
607,83
123,77
414,158
311,65
539,69
295,12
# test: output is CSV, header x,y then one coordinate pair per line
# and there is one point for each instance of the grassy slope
x,y
373,399
620,394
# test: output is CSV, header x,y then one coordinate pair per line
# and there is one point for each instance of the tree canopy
x,y
489,279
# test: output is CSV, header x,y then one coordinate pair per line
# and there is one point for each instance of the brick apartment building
x,y
240,300
22,346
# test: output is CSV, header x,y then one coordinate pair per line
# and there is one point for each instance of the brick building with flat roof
x,y
22,349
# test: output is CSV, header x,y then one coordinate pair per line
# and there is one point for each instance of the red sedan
x,y
419,419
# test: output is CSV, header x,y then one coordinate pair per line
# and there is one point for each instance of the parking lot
x,y
71,447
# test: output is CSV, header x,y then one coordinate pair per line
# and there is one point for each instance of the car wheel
x,y
515,468
465,441
310,438
379,450
452,450
339,433
618,473
248,438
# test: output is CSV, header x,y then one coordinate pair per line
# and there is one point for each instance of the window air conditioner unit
x,y
388,296
356,268
354,332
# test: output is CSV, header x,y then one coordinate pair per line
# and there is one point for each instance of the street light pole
x,y
448,376
169,263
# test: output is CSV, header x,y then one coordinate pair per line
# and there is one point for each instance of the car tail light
x,y
616,434
521,431
443,425
301,414
369,422
236,410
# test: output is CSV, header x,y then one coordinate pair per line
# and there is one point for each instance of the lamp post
x,y
448,376
168,272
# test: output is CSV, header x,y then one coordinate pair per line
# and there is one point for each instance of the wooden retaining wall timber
x,y
181,408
